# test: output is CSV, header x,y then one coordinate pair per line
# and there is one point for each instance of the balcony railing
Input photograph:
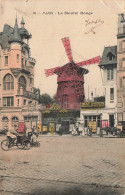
x,y
28,94
32,60
25,67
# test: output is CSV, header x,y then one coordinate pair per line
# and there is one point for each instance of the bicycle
x,y
9,143
29,142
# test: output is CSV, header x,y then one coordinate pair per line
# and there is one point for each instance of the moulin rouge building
x,y
18,97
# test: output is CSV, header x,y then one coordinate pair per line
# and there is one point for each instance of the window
x,y
15,121
120,45
120,63
8,101
31,80
22,83
8,82
123,45
110,74
112,94
124,103
123,28
123,63
24,102
85,121
25,62
17,58
65,101
95,118
110,56
6,60
22,62
18,102
120,82
5,122
98,121
123,82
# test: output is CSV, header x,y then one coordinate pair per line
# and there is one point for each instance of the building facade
x,y
18,97
104,109
121,70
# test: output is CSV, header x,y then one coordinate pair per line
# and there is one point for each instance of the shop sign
x,y
93,105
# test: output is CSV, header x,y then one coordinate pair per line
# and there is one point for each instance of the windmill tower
x,y
70,90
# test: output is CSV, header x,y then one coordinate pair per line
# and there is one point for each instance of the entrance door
x,y
111,120
65,126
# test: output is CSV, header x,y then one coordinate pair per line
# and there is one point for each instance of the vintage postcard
x,y
62,97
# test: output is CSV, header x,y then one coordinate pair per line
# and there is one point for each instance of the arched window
x,y
15,121
22,83
8,82
5,122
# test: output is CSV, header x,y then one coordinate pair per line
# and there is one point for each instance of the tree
x,y
45,99
54,99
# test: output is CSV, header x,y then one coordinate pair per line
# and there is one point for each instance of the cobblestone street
x,y
64,165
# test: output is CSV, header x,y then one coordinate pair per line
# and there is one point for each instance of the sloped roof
x,y
105,60
15,37
10,34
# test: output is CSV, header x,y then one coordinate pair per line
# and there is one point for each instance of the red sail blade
x,y
67,46
90,61
49,72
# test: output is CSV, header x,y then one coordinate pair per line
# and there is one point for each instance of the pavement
x,y
65,165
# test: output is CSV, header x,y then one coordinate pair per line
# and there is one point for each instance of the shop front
x,y
95,115
55,119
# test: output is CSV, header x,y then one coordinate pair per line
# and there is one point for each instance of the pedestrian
x,y
90,131
60,131
77,130
52,130
83,132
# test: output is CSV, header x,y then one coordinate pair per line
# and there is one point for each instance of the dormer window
x,y
110,56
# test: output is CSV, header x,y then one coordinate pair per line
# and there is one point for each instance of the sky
x,y
51,20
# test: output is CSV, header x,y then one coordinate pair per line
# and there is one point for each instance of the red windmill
x,y
70,91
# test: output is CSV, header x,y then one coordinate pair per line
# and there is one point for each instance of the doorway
x,y
65,126
111,120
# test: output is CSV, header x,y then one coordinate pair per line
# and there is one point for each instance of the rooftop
x,y
109,56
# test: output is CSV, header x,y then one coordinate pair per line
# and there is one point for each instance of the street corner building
x,y
121,70
102,111
18,96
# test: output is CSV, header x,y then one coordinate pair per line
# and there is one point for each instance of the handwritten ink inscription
x,y
92,25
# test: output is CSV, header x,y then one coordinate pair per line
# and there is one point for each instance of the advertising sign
x,y
40,128
92,124
93,105
44,128
105,123
21,127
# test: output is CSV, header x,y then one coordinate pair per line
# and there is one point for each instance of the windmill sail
x,y
67,46
90,61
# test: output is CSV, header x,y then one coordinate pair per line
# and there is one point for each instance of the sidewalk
x,y
70,135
